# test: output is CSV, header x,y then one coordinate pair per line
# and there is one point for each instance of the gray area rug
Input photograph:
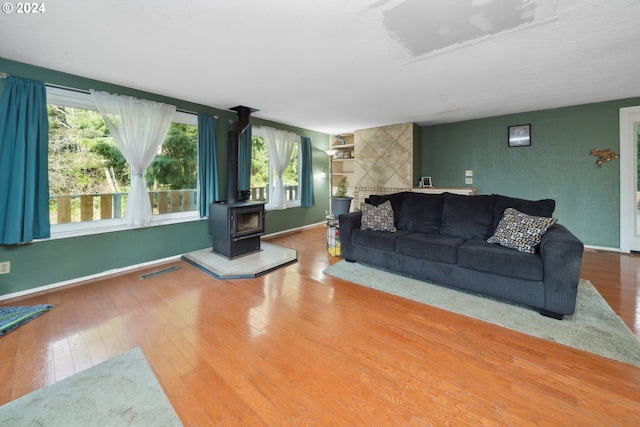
x,y
594,326
122,391
269,258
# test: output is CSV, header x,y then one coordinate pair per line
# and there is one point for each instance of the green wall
x,y
557,165
57,260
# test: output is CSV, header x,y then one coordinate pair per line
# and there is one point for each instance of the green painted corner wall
x,y
46,262
557,165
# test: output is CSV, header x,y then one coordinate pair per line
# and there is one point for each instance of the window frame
x,y
75,98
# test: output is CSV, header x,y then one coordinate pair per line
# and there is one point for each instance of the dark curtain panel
x,y
306,172
244,160
207,163
24,180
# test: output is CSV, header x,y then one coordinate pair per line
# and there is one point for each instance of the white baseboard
x,y
85,278
120,270
293,230
602,248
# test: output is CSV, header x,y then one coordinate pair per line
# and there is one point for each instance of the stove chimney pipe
x,y
233,138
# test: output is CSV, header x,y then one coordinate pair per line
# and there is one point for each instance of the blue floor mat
x,y
12,317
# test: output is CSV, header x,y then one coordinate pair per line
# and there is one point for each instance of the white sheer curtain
x,y
139,128
279,146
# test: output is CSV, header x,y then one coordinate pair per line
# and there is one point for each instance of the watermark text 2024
x,y
23,8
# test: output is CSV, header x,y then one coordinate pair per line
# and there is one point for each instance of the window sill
x,y
65,231
294,204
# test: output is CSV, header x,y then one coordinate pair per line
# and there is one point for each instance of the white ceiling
x,y
335,65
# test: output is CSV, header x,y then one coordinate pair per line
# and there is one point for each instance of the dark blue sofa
x,y
442,238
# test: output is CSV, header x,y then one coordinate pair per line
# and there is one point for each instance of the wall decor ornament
x,y
603,156
519,136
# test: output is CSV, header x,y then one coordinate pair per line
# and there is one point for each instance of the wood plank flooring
x,y
297,347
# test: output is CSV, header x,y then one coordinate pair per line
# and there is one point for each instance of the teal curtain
x,y
207,163
24,180
306,172
244,160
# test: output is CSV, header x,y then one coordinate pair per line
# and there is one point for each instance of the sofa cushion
x,y
544,207
421,213
520,231
377,218
479,255
377,239
396,199
432,247
466,217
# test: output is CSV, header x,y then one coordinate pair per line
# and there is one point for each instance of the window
x,y
264,176
89,178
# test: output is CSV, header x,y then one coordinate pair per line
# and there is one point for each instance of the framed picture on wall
x,y
519,136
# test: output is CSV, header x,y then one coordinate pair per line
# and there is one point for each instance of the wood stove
x,y
236,227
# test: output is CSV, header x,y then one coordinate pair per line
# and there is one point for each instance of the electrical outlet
x,y
5,267
468,172
468,180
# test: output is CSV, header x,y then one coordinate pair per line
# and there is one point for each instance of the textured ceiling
x,y
336,66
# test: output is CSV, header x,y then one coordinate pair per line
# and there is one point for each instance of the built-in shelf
x,y
343,162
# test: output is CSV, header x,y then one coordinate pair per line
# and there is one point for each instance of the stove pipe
x,y
233,137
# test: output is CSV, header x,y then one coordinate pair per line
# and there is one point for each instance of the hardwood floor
x,y
617,278
297,347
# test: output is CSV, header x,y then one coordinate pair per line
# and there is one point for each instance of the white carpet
x,y
594,327
122,391
269,258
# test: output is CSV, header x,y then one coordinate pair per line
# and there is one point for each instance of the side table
x,y
333,235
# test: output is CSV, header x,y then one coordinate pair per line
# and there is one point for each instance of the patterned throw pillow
x,y
520,231
377,218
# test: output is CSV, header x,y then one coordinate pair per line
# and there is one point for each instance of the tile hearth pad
x,y
269,258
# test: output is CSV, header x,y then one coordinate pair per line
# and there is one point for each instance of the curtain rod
x,y
4,75
71,89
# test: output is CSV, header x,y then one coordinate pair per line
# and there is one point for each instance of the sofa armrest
x,y
348,222
561,254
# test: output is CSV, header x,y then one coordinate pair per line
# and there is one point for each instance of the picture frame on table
x,y
426,182
519,136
